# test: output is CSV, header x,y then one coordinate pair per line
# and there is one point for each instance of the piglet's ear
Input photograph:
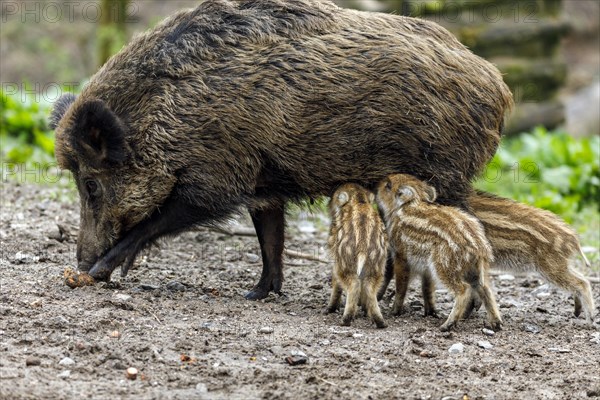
x,y
430,193
342,198
371,197
60,108
405,193
99,135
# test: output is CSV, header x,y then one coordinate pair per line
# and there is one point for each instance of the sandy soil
x,y
181,320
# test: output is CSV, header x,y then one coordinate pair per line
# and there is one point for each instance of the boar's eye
x,y
388,186
92,187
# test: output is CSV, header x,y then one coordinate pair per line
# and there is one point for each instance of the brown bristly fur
x,y
438,242
358,244
525,238
255,103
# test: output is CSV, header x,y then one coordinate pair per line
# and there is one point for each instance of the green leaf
x,y
45,141
19,154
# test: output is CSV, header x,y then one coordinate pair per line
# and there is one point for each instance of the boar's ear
x,y
60,108
430,193
99,135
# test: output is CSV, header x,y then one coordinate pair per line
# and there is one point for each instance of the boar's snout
x,y
87,254
90,244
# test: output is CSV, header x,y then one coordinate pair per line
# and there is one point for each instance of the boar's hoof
x,y
266,284
100,271
101,277
257,294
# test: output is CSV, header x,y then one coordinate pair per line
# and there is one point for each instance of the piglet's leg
x,y
387,277
352,300
476,301
336,293
402,276
428,290
462,295
371,305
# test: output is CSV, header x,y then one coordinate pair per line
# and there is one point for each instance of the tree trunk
x,y
112,28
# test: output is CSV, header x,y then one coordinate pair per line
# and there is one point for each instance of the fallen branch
x,y
296,264
237,231
154,315
326,381
305,256
245,231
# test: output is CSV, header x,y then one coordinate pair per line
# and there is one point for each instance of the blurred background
x,y
548,51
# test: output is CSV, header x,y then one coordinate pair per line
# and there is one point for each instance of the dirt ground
x,y
180,318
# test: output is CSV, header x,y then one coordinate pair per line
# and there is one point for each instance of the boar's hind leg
x,y
269,224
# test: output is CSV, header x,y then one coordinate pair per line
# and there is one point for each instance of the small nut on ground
x,y
115,334
187,359
74,279
131,373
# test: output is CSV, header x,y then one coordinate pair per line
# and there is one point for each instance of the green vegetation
x,y
24,132
112,31
553,171
27,143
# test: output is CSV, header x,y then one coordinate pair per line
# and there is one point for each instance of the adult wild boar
x,y
255,103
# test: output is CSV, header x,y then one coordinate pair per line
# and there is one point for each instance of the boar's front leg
x,y
269,224
174,216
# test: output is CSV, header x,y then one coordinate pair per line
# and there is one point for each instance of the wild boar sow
x,y
255,103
